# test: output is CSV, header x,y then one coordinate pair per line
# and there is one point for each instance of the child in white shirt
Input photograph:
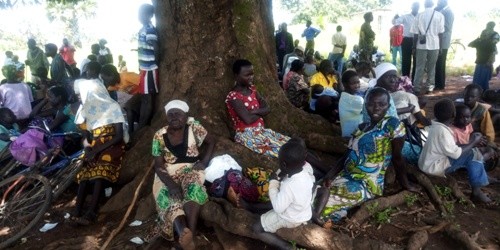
x,y
291,197
441,155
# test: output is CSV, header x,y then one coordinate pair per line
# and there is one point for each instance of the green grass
x,y
410,199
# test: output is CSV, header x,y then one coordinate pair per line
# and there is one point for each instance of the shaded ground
x,y
482,219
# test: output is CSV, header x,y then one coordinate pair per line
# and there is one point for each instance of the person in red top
x,y
67,52
246,109
396,35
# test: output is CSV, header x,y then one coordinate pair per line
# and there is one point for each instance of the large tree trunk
x,y
199,41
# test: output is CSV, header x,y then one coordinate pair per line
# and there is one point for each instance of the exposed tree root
x,y
310,236
418,240
367,209
429,188
469,242
457,192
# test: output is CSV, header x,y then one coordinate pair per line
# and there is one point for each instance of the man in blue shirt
x,y
310,33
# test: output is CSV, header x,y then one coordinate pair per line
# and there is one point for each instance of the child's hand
x,y
476,137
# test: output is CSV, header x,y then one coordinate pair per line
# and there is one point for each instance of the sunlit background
x,y
116,21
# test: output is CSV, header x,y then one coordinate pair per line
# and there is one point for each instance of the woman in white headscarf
x,y
104,145
179,165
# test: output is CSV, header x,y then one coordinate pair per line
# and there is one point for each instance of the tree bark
x,y
199,41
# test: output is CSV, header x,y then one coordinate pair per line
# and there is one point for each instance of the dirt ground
x,y
481,219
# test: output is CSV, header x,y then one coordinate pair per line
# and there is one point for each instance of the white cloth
x,y
218,166
383,68
98,108
436,27
177,104
272,221
407,21
17,97
340,40
292,197
402,99
439,146
350,107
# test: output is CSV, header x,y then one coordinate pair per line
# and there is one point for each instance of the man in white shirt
x,y
339,45
408,55
427,30
441,155
444,8
291,197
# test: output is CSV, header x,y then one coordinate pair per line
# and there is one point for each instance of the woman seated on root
x,y
360,177
104,144
179,165
247,108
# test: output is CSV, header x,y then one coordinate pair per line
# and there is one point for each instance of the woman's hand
x,y
199,166
175,191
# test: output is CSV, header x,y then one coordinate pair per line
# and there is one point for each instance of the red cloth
x,y
68,54
462,136
251,103
396,34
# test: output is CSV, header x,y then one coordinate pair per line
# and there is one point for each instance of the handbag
x,y
422,39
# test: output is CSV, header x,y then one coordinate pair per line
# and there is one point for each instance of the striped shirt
x,y
147,60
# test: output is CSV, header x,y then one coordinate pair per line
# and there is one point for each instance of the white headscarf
x,y
98,108
177,104
380,70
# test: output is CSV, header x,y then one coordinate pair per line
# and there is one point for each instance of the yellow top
x,y
319,78
129,83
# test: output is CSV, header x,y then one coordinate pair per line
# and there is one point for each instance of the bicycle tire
x,y
61,180
32,194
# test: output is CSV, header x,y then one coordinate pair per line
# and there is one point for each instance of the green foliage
x,y
70,12
372,208
449,206
321,11
383,216
443,191
410,199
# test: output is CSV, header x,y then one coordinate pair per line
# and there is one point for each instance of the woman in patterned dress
x,y
372,148
179,165
103,120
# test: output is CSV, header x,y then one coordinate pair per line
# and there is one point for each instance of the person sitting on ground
x,y
324,102
309,68
350,103
291,195
62,117
111,78
360,176
179,166
382,75
326,76
295,87
481,118
104,145
441,155
364,69
246,108
8,128
406,103
462,130
298,53
14,94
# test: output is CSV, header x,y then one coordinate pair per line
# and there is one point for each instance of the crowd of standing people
x,y
376,108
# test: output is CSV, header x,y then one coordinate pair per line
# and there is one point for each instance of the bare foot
x,y
317,219
480,197
186,240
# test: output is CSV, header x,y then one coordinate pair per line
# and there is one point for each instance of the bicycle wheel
x,y
61,180
24,200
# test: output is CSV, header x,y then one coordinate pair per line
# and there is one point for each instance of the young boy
x,y
291,197
148,58
441,155
481,118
